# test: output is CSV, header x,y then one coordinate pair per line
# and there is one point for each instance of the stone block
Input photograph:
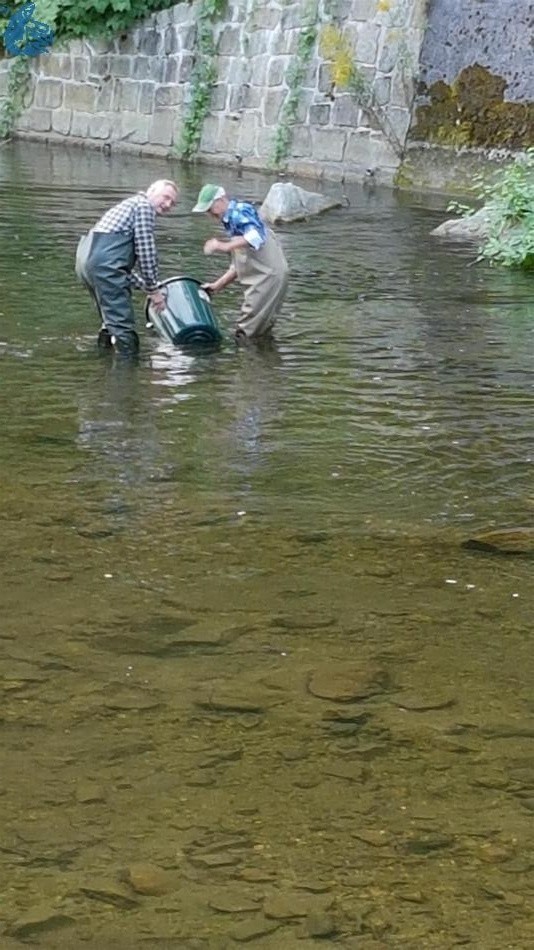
x,y
258,42
362,10
389,53
185,67
104,96
80,97
121,67
128,43
309,80
133,128
100,66
162,126
150,42
369,150
291,17
305,100
209,142
345,110
265,143
244,97
181,13
402,88
99,47
80,124
276,70
300,143
126,95
147,92
328,144
367,43
141,68
100,127
39,120
58,65
49,93
171,42
319,114
229,133
399,121
80,68
61,120
78,48
259,67
246,135
264,18
273,101
229,43
325,80
382,90
167,96
219,96
162,19
4,79
170,73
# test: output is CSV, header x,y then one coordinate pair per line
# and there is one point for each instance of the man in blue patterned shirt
x,y
120,251
258,261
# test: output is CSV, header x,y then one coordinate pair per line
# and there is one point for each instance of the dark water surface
x,y
253,688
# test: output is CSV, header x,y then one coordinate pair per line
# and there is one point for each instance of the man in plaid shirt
x,y
257,261
120,251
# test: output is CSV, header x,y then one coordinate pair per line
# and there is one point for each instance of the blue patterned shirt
x,y
242,220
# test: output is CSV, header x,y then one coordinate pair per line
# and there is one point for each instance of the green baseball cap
x,y
207,195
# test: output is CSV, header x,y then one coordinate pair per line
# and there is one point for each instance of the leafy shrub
x,y
77,18
509,207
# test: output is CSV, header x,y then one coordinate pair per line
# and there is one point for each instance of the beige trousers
x,y
264,274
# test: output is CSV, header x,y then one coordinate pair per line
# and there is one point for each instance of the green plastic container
x,y
188,318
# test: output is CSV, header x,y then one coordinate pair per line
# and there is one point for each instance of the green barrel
x,y
188,318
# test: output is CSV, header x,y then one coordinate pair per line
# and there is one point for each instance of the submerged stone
x,y
344,684
503,541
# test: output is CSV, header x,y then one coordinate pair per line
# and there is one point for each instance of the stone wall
x,y
135,91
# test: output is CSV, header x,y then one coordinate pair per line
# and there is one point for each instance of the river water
x,y
254,690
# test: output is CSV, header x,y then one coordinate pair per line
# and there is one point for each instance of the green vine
x,y
295,77
17,86
203,78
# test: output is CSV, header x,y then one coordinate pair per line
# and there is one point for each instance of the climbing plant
x,y
203,77
295,76
17,85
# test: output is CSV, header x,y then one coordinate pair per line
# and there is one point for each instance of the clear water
x,y
196,547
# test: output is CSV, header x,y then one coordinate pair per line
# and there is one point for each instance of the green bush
x,y
77,18
509,207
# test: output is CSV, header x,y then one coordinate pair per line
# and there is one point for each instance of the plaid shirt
x,y
242,219
137,217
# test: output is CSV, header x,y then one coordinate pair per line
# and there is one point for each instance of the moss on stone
x,y
472,112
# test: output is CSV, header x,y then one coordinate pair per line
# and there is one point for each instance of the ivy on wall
x,y
295,76
203,77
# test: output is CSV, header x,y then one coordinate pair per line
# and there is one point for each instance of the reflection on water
x,y
253,688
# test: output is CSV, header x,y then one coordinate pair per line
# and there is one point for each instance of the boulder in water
x,y
288,202
503,541
473,227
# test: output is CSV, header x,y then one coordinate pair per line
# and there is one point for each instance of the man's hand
x,y
212,246
158,300
210,288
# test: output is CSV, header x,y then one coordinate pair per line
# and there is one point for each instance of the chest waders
x,y
104,263
264,275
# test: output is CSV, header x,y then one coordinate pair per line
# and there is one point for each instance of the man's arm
x,y
214,245
227,278
145,249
